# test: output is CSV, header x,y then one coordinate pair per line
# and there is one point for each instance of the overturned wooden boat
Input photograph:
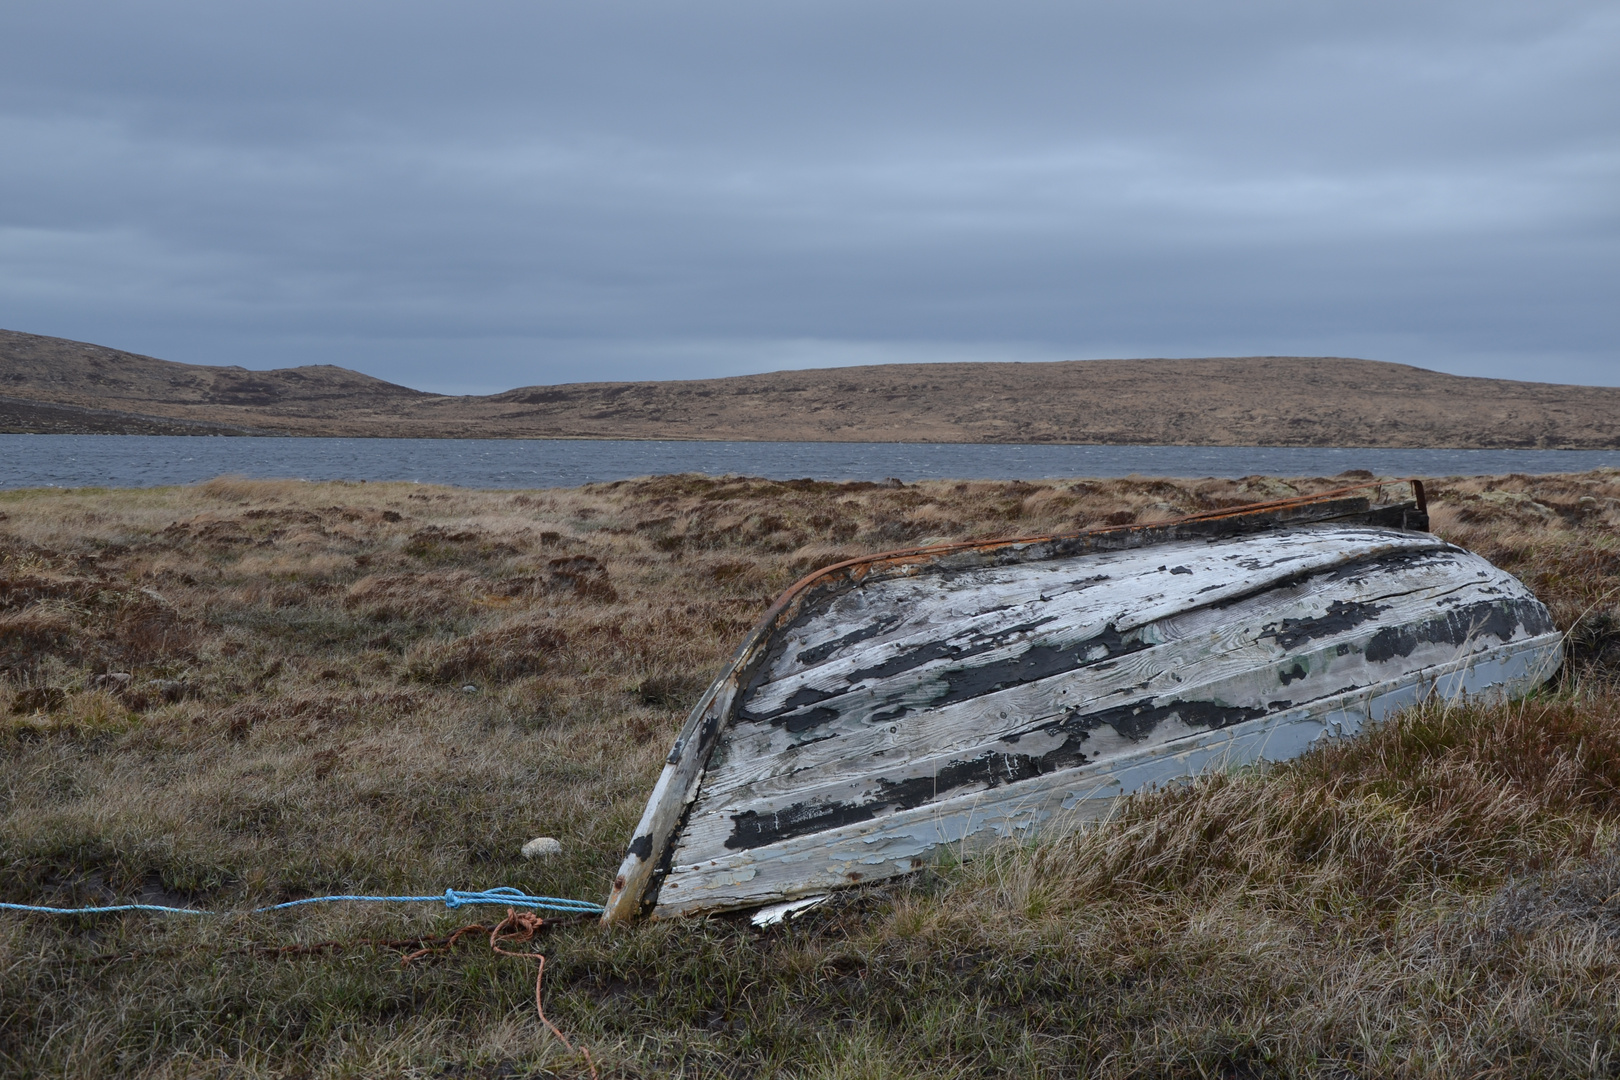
x,y
895,705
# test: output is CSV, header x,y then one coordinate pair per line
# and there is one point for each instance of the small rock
x,y
542,846
113,680
469,689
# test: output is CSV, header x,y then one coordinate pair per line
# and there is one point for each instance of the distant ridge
x,y
54,385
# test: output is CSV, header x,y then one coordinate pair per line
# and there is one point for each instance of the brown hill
x,y
1248,401
74,374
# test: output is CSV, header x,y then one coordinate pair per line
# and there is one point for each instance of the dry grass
x,y
245,692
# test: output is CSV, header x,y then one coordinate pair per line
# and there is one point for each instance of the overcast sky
x,y
472,196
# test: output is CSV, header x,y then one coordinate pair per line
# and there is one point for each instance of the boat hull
x,y
948,702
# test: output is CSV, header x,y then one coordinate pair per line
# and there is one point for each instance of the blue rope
x,y
452,899
100,910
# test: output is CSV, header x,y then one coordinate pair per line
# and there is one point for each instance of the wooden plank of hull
x,y
1061,801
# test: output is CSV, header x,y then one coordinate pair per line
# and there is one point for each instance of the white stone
x,y
541,846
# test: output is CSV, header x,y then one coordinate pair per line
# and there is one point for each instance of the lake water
x,y
152,460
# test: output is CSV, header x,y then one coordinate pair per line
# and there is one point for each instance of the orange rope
x,y
517,928
437,946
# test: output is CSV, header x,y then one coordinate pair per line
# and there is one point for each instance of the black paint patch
x,y
1180,570
1139,719
1500,619
962,683
752,829
814,718
1036,663
807,695
641,846
1340,617
804,695
946,650
1293,673
820,652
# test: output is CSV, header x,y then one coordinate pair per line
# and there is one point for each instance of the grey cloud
x,y
506,193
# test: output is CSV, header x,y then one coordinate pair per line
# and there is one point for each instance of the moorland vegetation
x,y
243,692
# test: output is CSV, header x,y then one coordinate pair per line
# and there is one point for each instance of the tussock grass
x,y
245,691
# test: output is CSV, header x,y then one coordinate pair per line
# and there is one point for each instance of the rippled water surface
x,y
150,460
